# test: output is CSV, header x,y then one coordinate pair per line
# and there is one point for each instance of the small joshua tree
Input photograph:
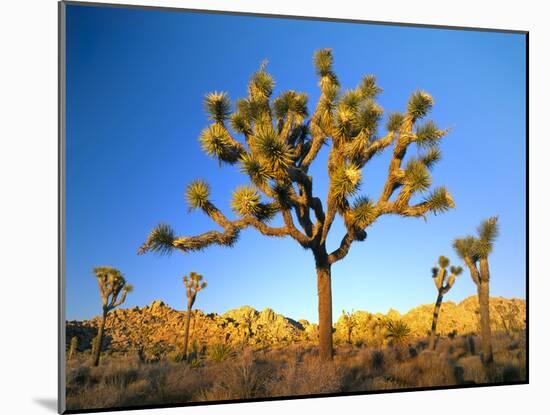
x,y
350,323
281,141
72,348
397,332
443,281
475,251
193,284
113,289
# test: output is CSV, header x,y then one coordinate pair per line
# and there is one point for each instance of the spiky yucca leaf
x,y
488,229
258,173
216,143
465,248
369,116
218,106
160,240
246,201
456,270
419,104
397,331
276,152
435,272
197,194
351,99
346,122
290,102
261,84
364,211
368,87
428,134
417,177
440,200
346,180
431,157
323,62
266,211
283,195
443,261
487,232
395,120
240,124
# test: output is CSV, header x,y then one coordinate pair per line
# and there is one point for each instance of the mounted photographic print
x,y
258,207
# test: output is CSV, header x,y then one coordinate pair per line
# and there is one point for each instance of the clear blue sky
x,y
135,84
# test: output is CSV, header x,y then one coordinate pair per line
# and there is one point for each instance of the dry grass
x,y
288,371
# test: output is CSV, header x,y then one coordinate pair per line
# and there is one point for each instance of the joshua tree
x,y
73,347
281,142
443,282
349,323
475,253
113,289
193,285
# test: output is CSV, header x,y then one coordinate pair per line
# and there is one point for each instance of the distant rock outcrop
x,y
158,329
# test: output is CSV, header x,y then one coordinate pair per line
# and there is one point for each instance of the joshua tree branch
x,y
342,250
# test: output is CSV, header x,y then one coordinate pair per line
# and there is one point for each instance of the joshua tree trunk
x,y
433,334
324,293
186,336
485,319
99,339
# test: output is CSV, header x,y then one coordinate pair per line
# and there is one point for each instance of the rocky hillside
x,y
158,329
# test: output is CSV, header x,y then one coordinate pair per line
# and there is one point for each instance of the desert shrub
x,y
240,378
474,371
311,376
220,352
377,360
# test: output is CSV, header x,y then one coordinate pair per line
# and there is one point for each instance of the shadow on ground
x,y
48,403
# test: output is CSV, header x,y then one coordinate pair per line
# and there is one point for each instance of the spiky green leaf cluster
x,y
258,173
435,272
487,233
465,248
278,154
363,211
239,123
369,116
443,261
397,331
368,87
431,157
395,120
428,134
440,200
283,195
216,142
290,102
456,270
323,62
260,86
197,194
419,104
218,106
346,180
246,201
417,176
160,240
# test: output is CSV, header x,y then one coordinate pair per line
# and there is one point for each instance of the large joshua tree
x,y
443,281
475,251
113,289
281,141
193,284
